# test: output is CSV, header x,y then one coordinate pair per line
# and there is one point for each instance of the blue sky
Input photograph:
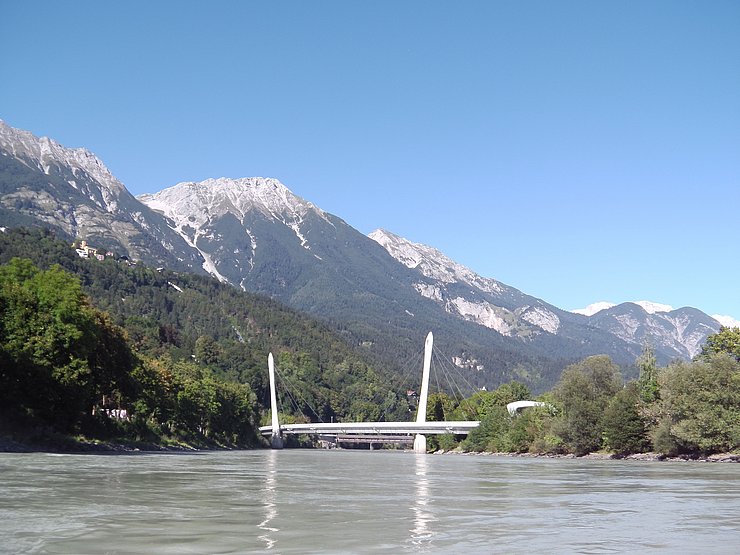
x,y
579,151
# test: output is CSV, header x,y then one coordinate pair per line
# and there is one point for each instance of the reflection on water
x,y
269,494
421,533
295,502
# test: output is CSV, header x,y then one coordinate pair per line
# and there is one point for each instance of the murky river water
x,y
299,501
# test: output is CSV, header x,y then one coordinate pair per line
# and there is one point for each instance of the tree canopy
x,y
726,340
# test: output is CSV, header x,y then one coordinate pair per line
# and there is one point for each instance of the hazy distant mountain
x,y
648,306
73,192
673,333
677,332
464,293
384,291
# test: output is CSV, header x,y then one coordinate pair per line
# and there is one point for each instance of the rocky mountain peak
x,y
200,201
48,156
71,190
208,213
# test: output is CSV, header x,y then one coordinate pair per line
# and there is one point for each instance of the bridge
x,y
419,428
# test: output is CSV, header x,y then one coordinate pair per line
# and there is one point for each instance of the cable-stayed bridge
x,y
419,428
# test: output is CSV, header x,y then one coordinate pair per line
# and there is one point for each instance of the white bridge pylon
x,y
419,428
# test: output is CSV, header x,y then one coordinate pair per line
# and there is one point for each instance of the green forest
x,y
686,408
184,355
114,351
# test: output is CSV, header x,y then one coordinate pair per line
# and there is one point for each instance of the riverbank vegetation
x,y
686,408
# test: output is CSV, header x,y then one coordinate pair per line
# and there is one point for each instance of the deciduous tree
x,y
700,406
584,391
726,340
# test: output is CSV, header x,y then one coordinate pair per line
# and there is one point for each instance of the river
x,y
311,501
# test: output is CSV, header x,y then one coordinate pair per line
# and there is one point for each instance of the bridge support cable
x,y
453,383
276,439
448,369
290,385
402,381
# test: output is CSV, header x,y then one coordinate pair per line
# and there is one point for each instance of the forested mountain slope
x,y
195,319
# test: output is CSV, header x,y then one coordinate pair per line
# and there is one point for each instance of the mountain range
x,y
382,290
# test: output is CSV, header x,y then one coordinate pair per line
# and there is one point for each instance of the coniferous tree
x,y
648,379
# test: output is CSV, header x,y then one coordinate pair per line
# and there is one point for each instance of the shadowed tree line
x,y
67,367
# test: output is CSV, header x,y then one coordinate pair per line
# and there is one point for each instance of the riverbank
x,y
14,439
66,444
716,457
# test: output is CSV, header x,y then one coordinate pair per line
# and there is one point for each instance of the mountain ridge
x,y
215,198
72,191
256,234
508,311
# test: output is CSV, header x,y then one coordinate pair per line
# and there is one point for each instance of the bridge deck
x,y
372,438
458,427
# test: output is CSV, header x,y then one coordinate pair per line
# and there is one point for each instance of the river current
x,y
310,501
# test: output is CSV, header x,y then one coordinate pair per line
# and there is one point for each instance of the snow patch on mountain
x,y
653,308
295,226
193,206
252,246
203,200
208,264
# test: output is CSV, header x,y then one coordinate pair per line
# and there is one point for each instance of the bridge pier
x,y
420,443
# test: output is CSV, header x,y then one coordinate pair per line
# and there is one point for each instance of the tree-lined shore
x,y
109,355
687,409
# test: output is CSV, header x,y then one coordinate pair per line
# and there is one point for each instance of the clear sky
x,y
579,151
